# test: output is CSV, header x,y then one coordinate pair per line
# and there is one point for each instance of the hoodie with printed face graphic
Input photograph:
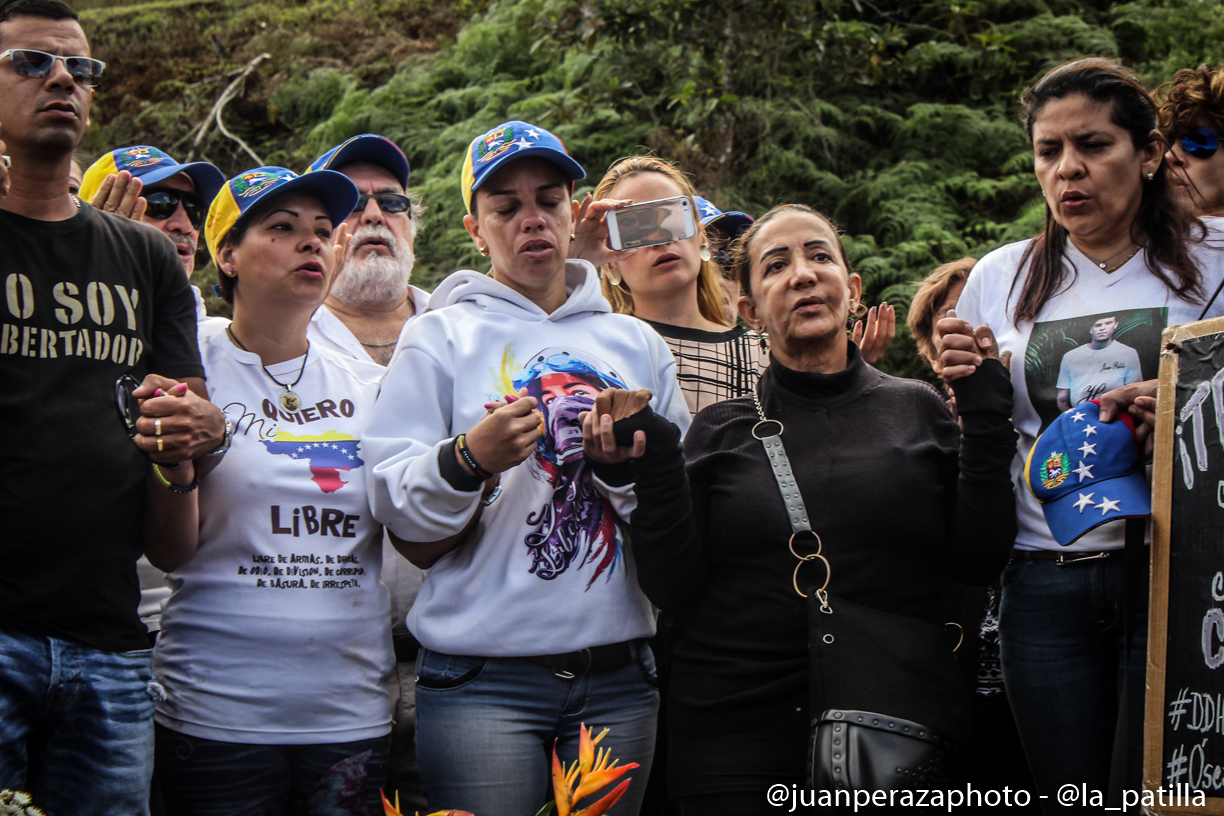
x,y
547,569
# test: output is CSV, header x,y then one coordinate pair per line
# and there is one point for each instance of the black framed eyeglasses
x,y
1200,142
390,203
164,203
33,64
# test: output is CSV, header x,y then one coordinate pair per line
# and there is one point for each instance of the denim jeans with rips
x,y
76,725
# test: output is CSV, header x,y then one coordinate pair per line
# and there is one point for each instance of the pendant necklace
x,y
1105,263
289,400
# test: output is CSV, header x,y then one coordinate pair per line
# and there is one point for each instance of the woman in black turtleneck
x,y
900,495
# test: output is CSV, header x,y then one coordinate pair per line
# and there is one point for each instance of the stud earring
x,y
1151,176
231,272
483,250
763,341
705,252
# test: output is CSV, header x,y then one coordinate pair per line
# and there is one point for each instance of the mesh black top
x,y
714,366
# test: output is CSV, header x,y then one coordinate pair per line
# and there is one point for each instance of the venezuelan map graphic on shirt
x,y
328,453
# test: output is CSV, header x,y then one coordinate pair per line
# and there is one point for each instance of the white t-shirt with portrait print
x,y
1086,372
278,629
1141,303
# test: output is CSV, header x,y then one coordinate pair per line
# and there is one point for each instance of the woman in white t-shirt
x,y
530,618
1118,262
276,644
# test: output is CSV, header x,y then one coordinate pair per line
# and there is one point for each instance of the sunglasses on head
x,y
390,203
1200,142
33,64
164,203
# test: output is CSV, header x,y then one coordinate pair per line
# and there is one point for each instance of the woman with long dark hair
x,y
1081,308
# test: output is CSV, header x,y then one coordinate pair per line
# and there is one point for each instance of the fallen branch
x,y
214,115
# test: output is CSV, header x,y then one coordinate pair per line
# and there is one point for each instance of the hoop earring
x,y
705,253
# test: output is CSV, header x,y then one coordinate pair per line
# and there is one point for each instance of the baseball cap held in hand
x,y
1087,473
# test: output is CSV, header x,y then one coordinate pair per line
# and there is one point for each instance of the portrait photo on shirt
x,y
1075,360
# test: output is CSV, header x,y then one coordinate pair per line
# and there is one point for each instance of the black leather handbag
x,y
894,713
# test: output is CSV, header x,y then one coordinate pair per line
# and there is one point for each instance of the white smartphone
x,y
651,223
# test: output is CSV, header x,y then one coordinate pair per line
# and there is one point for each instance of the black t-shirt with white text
x,y
84,301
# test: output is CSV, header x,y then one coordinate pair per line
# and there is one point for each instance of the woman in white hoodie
x,y
530,617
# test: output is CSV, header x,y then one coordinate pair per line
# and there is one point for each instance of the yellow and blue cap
x,y
1086,472
243,192
507,142
368,147
731,222
150,165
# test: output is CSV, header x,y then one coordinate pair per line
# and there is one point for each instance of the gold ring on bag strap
x,y
819,544
960,629
821,593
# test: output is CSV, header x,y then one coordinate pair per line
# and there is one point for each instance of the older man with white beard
x,y
365,315
371,301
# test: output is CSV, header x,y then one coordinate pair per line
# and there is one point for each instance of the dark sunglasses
x,y
1200,142
390,203
33,64
164,203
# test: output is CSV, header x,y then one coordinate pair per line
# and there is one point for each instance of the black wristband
x,y
469,459
453,472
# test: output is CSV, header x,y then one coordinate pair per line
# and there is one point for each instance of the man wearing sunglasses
x,y
1192,119
146,184
370,304
91,297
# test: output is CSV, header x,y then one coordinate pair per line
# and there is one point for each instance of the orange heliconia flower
x,y
591,772
393,810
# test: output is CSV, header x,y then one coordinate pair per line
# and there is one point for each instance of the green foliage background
x,y
897,117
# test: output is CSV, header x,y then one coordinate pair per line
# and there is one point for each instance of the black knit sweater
x,y
899,494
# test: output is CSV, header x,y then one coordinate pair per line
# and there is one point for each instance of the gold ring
x,y
157,427
159,444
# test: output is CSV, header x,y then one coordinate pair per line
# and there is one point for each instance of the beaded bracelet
x,y
161,477
469,459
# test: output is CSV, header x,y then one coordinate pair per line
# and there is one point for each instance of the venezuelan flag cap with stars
x,y
150,165
1086,472
507,142
732,222
238,197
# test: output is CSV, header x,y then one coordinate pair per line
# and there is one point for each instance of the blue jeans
x,y
76,725
203,777
1062,646
486,726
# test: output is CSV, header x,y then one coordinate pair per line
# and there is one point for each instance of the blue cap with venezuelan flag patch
x,y
367,147
730,222
150,165
1106,483
507,142
335,192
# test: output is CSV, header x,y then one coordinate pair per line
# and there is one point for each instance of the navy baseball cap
x,y
730,222
150,165
509,141
1106,481
367,147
